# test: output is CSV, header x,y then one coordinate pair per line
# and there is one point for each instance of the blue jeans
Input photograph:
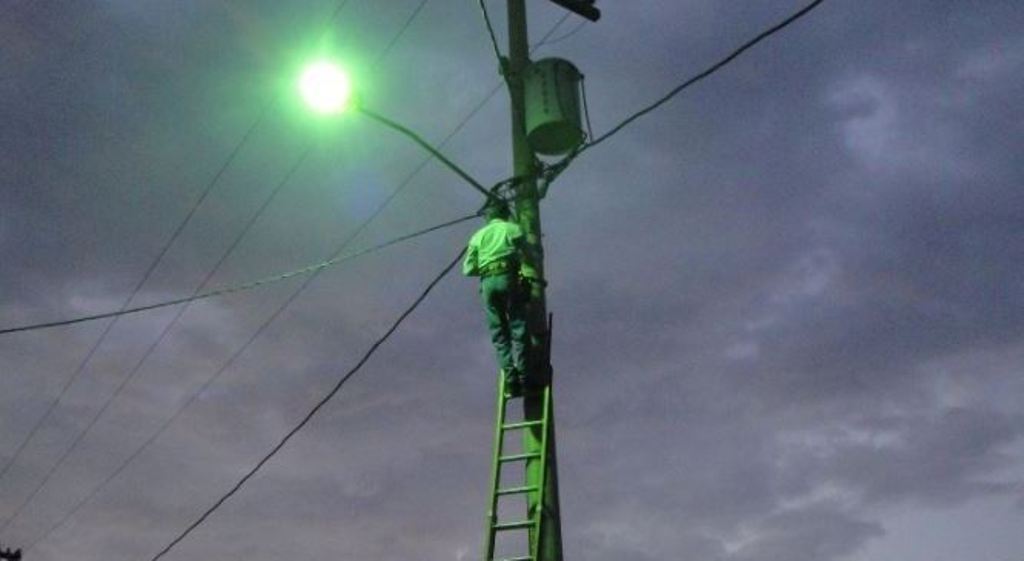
x,y
504,303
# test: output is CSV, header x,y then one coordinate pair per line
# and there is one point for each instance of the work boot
x,y
513,383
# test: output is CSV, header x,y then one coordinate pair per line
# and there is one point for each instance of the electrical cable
x,y
231,289
586,107
149,271
566,35
550,172
305,420
311,268
401,32
220,172
195,394
280,309
135,291
707,72
494,39
149,351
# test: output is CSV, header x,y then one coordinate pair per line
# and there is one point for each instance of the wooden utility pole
x,y
527,204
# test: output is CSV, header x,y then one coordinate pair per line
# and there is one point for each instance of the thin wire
x,y
231,289
586,108
566,35
253,284
284,305
709,71
149,271
401,32
54,468
490,32
195,395
323,401
138,287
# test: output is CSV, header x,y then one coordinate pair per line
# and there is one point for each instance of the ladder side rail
x,y
538,521
499,443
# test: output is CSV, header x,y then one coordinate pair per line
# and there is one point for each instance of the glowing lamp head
x,y
325,87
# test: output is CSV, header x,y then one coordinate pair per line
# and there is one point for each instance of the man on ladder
x,y
496,254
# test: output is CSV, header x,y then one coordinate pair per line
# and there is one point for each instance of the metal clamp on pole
x,y
583,8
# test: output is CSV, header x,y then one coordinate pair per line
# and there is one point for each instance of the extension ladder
x,y
529,523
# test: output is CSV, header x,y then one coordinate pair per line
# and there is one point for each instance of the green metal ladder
x,y
534,494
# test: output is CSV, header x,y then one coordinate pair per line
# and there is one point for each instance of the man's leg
x,y
518,324
494,294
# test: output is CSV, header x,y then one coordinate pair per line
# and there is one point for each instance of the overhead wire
x,y
135,291
260,282
195,394
249,285
338,386
490,33
98,414
316,408
707,72
181,226
284,305
236,150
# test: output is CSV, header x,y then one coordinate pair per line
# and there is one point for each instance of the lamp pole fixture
x,y
327,90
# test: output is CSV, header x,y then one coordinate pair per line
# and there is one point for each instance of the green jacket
x,y
498,239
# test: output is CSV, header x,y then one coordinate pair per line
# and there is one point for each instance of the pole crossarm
x,y
426,146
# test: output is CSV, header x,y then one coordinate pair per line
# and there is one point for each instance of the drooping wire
x,y
586,107
490,33
138,287
195,395
284,305
231,289
284,276
550,172
565,35
319,405
707,72
62,459
401,32
149,271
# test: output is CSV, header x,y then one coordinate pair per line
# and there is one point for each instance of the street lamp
x,y
325,87
327,90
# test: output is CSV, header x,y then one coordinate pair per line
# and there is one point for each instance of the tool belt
x,y
499,267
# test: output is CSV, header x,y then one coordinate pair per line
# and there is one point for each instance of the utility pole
x,y
527,203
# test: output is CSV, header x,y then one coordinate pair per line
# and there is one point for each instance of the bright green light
x,y
325,87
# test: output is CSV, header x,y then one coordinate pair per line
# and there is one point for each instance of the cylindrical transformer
x,y
553,124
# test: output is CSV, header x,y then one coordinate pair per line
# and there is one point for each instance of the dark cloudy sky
x,y
789,305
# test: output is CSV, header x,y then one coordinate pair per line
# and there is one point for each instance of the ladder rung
x,y
522,425
517,457
517,490
517,525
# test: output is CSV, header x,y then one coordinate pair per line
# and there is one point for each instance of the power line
x,y
152,267
149,351
231,289
490,33
138,287
280,309
170,420
549,173
707,72
323,401
566,35
314,270
305,270
149,271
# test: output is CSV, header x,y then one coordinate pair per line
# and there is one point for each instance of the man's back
x,y
497,240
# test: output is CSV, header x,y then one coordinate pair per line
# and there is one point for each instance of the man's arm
x,y
469,264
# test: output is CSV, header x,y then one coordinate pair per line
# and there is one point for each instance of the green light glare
x,y
325,87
